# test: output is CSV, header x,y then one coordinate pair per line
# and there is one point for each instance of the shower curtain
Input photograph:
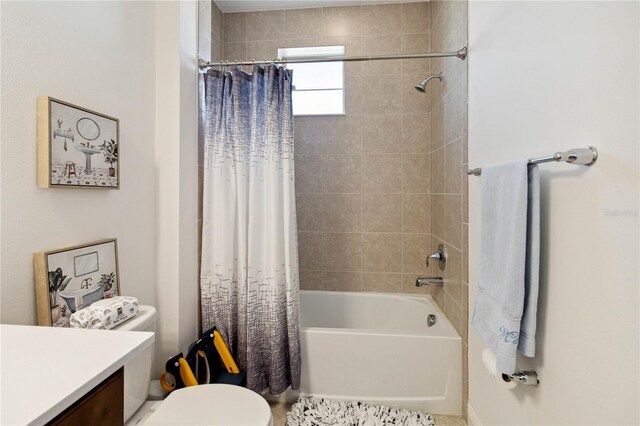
x,y
249,264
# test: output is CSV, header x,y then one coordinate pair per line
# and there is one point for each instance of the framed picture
x,y
77,147
73,278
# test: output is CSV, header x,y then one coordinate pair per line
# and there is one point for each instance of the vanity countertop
x,y
43,370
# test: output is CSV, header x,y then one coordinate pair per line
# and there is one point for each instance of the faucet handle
x,y
440,256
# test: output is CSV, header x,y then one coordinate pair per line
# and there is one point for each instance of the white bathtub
x,y
377,348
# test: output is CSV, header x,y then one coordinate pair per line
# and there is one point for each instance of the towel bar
x,y
585,156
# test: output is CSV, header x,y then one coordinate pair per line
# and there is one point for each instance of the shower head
x,y
420,87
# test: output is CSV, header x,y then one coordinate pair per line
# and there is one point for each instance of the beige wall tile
x,y
434,12
415,18
454,314
381,252
416,173
217,21
235,50
465,313
409,285
416,213
235,27
382,282
437,127
465,193
465,253
453,220
381,19
440,296
437,171
353,94
308,134
382,212
217,49
342,251
415,133
453,116
303,23
381,94
266,25
465,133
341,174
436,91
415,248
310,251
342,134
311,280
342,281
453,274
381,45
382,173
341,21
380,133
417,43
438,215
308,170
342,213
453,167
309,212
414,101
263,49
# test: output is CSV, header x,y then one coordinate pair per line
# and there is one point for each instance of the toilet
x,y
212,404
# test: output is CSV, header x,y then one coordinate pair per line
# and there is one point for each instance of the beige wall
x,y
99,55
449,212
362,179
587,347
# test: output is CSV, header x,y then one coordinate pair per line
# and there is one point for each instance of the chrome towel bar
x,y
585,156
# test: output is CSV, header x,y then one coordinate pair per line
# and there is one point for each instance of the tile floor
x,y
279,411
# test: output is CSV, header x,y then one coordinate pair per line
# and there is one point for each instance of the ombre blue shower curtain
x,y
249,265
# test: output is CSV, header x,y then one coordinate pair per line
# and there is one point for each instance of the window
x,y
318,87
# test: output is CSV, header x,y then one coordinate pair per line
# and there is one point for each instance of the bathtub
x,y
377,348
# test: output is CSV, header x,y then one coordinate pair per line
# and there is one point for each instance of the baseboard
x,y
473,417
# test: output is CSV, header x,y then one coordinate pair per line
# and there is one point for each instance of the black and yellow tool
x,y
177,374
203,364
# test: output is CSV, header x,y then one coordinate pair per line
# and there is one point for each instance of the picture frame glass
x,y
83,146
78,277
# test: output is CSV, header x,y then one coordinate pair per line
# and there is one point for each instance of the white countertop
x,y
43,370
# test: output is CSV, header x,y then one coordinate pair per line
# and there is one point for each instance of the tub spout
x,y
422,281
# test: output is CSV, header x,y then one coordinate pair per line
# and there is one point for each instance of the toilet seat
x,y
213,405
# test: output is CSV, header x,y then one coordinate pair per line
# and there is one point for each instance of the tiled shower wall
x,y
380,187
362,179
449,212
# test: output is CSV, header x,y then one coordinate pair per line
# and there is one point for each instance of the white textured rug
x,y
320,412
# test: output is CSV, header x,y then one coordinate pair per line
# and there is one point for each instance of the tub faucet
x,y
422,281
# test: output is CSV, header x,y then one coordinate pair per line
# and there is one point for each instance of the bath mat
x,y
321,412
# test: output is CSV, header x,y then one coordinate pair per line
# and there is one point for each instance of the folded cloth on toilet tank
x,y
106,313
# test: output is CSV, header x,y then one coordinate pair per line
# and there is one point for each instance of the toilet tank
x,y
137,371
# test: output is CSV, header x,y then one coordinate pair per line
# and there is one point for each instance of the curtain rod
x,y
460,54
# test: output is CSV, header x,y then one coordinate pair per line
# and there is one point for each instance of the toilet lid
x,y
213,404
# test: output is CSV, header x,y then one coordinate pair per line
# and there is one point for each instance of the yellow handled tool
x,y
224,353
177,374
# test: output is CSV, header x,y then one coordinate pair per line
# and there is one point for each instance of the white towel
x,y
506,304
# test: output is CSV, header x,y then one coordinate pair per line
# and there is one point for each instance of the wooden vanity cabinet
x,y
101,406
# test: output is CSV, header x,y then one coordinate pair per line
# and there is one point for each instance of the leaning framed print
x,y
77,147
72,278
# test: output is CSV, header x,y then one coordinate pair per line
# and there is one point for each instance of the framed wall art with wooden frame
x,y
77,147
73,278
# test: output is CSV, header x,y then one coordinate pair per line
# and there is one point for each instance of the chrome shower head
x,y
423,84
